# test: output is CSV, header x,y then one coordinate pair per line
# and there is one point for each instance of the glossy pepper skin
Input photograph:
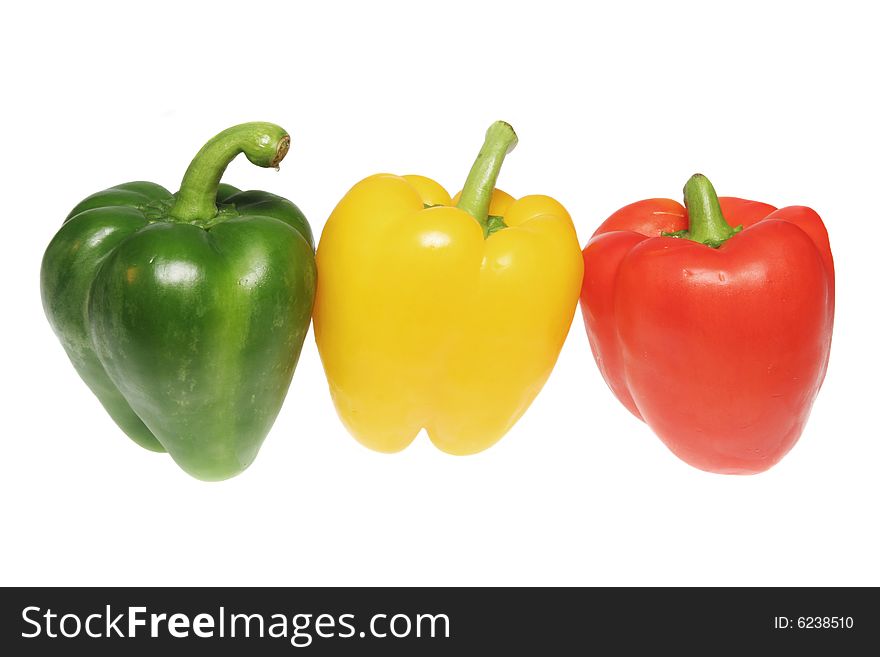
x,y
717,337
440,317
185,313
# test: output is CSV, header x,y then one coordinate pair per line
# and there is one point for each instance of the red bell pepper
x,y
717,337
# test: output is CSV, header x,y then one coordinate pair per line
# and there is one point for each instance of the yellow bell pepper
x,y
449,317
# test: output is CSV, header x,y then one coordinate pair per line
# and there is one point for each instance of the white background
x,y
774,101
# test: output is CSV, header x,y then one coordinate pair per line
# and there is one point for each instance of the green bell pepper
x,y
186,313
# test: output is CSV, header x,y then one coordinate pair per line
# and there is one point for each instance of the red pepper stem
x,y
706,223
477,192
264,144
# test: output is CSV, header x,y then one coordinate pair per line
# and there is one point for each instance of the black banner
x,y
434,621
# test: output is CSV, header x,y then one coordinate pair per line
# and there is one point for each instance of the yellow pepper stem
x,y
477,192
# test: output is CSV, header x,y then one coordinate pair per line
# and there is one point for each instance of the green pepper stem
x,y
264,144
706,223
477,192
